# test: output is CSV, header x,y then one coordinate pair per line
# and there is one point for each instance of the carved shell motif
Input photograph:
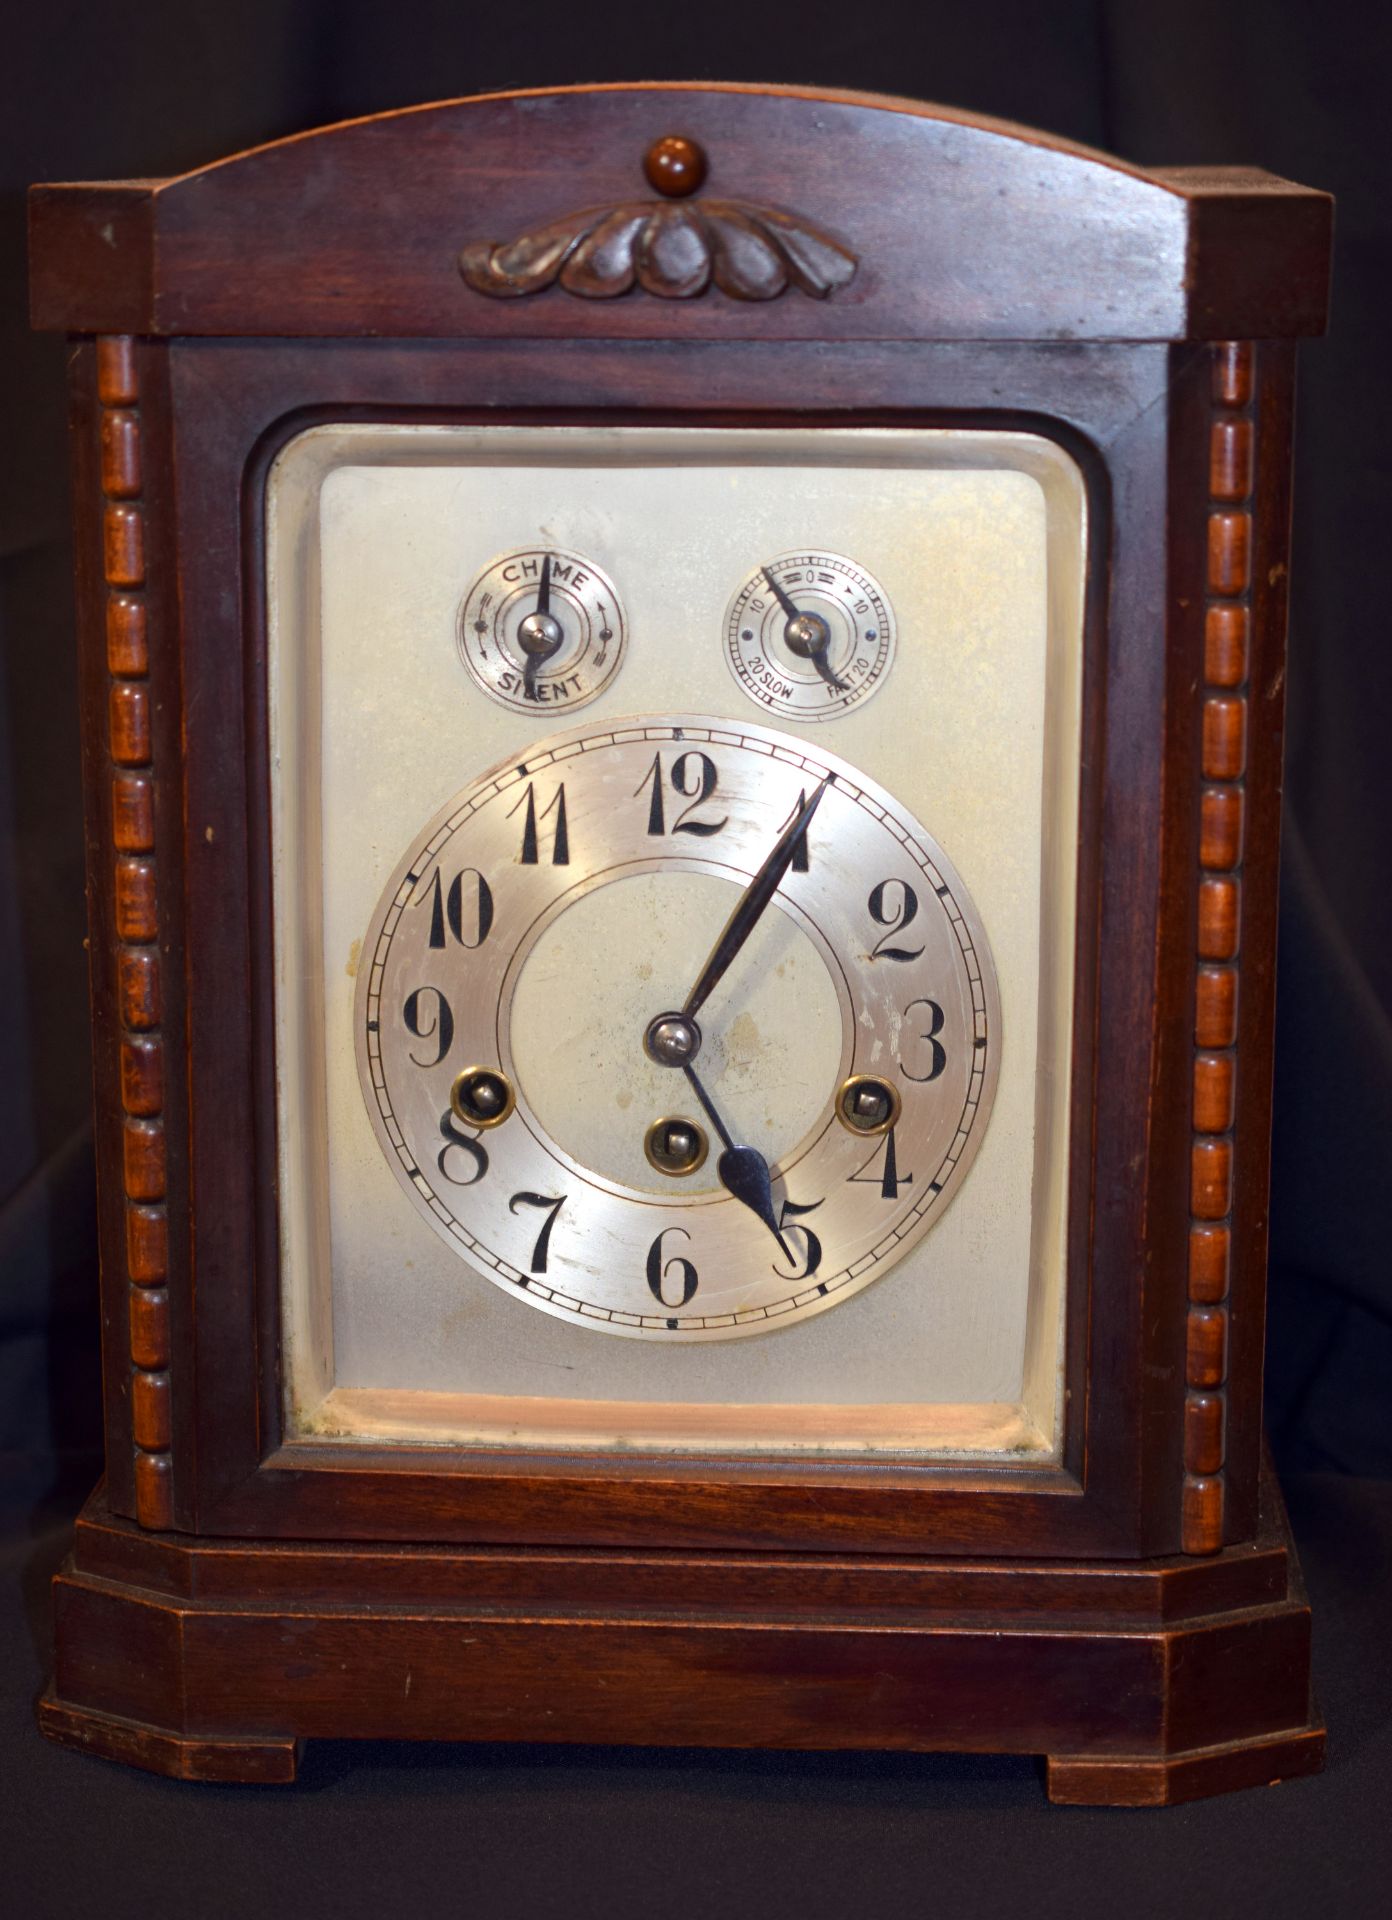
x,y
668,247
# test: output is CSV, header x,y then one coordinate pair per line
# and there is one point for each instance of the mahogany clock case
x,y
1146,323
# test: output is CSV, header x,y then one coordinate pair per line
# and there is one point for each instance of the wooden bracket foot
x,y
1141,1780
179,1756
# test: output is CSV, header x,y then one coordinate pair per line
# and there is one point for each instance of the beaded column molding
x,y
1223,766
137,926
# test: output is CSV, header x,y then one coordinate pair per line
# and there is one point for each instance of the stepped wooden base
x,y
1143,1684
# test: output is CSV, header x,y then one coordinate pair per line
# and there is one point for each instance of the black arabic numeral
x,y
427,1024
886,913
437,912
657,818
551,1204
787,1223
938,1055
454,1139
890,1179
658,1269
706,781
531,841
692,782
447,908
482,916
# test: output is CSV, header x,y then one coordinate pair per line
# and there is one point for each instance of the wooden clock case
x,y
1134,1613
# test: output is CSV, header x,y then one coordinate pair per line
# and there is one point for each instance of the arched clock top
x,y
922,223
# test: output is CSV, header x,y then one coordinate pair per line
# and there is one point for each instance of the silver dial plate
x,y
584,617
557,1210
809,636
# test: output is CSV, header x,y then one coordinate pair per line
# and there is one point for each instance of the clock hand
x,y
780,594
751,904
539,634
807,634
742,1171
823,666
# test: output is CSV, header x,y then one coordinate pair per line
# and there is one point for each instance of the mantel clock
x,y
681,705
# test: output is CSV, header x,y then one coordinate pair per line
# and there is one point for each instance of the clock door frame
x,y
1169,379
1138,422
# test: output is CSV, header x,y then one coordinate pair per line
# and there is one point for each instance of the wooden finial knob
x,y
675,166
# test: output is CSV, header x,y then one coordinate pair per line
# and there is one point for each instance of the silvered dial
x,y
537,935
542,628
809,635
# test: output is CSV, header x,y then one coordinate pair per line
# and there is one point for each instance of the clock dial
x,y
809,636
540,1004
415,1301
542,628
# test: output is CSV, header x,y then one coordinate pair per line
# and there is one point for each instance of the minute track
x,y
742,1285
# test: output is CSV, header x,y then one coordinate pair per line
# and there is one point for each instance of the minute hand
x,y
751,904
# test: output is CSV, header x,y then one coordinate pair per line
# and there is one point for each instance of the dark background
x,y
1298,86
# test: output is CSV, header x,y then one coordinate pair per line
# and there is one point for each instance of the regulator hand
x,y
807,634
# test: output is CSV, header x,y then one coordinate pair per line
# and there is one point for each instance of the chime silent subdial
x,y
542,629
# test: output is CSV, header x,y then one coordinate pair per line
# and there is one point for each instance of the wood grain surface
x,y
965,230
1129,1611
216,1660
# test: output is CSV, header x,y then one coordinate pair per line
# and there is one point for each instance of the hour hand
x,y
742,1171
